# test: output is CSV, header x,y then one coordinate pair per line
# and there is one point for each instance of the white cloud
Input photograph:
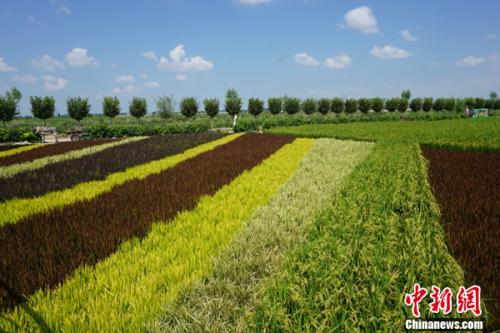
x,y
51,83
128,89
115,66
180,62
152,84
340,61
24,78
470,61
33,19
406,34
149,55
124,79
78,57
434,65
389,52
4,67
181,77
362,19
144,76
47,63
491,36
305,59
252,2
63,10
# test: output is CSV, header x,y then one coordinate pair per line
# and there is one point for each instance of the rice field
x,y
302,229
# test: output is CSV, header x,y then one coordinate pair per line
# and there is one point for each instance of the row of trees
x,y
78,108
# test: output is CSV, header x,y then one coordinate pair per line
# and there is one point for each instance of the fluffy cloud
x,y
149,55
470,61
152,84
181,77
362,19
51,83
305,59
340,61
63,10
124,79
389,52
406,34
252,2
78,57
47,63
178,61
24,78
4,67
128,89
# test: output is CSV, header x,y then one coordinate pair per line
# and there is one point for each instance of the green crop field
x,y
313,228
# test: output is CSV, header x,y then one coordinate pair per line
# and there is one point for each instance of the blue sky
x,y
264,48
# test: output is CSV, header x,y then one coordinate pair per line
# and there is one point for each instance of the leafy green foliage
x,y
479,102
275,105
365,104
351,105
406,94
392,104
403,105
493,95
78,107
324,106
291,105
189,107
309,106
377,104
439,104
43,107
255,106
427,104
233,102
416,104
211,106
138,107
8,109
497,104
450,104
165,106
111,106
338,105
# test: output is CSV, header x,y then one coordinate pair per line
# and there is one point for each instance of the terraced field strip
x,y
12,170
97,166
467,187
13,211
30,154
379,236
12,150
478,134
220,301
44,249
132,287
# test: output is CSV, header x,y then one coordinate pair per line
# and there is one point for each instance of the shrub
x,y
450,104
416,104
138,107
351,105
165,106
337,105
427,104
406,94
324,105
479,102
439,104
233,102
275,105
292,105
189,107
111,106
377,104
365,104
211,106
43,107
392,104
78,108
496,106
469,102
403,105
310,105
8,109
255,106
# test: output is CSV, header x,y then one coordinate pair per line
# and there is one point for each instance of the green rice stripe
x,y
220,301
11,170
14,210
133,286
18,150
379,236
